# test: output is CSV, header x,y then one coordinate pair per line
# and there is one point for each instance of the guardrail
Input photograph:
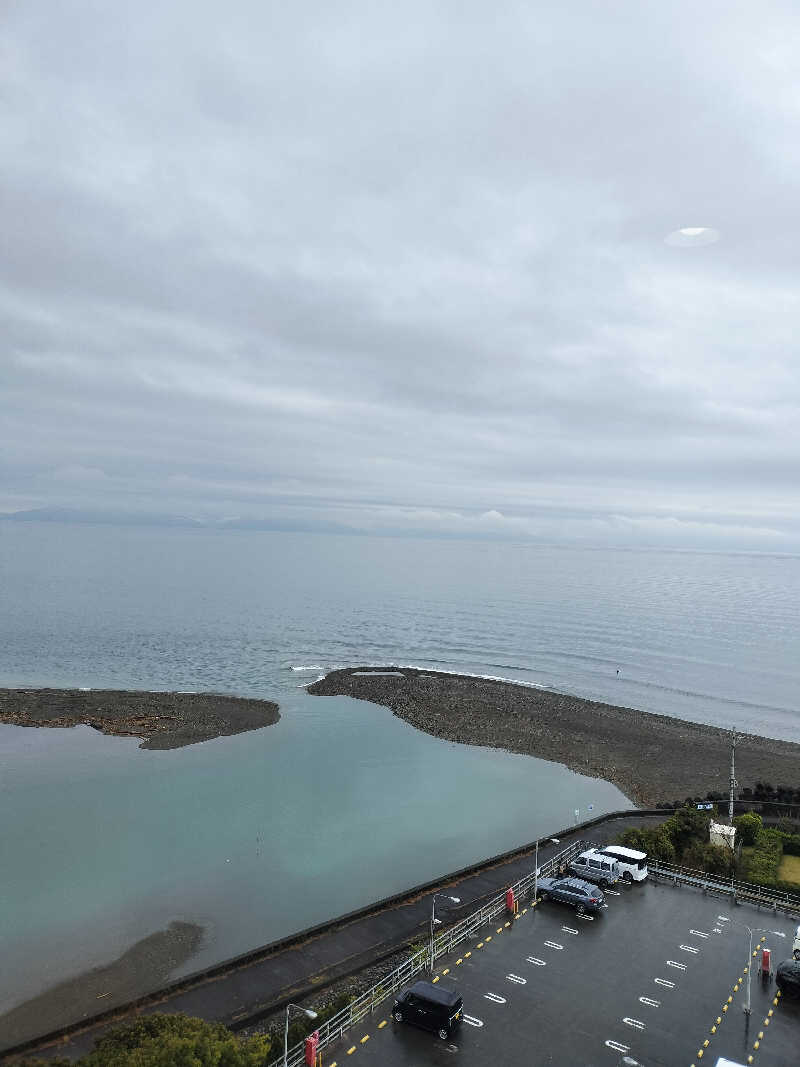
x,y
364,1005
746,892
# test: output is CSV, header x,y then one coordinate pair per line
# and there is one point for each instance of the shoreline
x,y
653,759
161,720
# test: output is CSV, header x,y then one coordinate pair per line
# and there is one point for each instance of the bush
x,y
761,867
748,826
176,1041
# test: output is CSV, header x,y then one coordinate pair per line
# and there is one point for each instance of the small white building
x,y
721,834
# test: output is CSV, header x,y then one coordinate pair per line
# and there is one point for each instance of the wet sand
x,y
653,759
147,965
163,720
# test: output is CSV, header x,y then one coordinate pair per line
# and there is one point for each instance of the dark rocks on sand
x,y
651,758
163,720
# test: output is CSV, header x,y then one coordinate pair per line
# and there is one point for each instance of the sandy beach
x,y
653,759
162,720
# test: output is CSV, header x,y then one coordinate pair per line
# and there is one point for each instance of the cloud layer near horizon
x,y
404,269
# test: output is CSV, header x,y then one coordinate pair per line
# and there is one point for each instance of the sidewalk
x,y
250,990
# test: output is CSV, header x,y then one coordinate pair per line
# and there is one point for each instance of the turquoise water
x,y
260,835
253,836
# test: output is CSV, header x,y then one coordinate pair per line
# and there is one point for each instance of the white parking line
x,y
494,998
663,981
698,933
586,918
471,1021
690,948
568,930
539,963
650,1003
637,1024
613,892
553,944
723,919
618,1047
516,978
676,965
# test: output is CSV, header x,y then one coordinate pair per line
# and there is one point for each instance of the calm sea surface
x,y
259,835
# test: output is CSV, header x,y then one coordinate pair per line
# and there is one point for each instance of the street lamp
x,y
434,920
553,841
751,931
306,1011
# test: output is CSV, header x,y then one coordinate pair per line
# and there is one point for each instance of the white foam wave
x,y
438,670
312,667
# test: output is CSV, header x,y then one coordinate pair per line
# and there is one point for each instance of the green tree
x,y
176,1041
748,826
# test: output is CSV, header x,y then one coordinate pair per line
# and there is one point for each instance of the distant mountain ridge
x,y
89,517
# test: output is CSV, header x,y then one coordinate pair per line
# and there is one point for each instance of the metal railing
x,y
333,1029
747,892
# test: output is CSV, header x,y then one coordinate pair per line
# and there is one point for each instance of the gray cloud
x,y
404,270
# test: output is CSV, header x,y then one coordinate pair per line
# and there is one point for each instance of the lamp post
x,y
750,932
434,920
306,1011
553,841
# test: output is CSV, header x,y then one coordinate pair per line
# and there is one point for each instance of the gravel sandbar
x,y
652,759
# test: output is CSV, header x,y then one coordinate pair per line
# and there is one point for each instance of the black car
x,y
787,978
433,1007
583,896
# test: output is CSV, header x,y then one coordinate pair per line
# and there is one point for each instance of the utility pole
x,y
733,776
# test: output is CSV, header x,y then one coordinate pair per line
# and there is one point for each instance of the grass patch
x,y
789,870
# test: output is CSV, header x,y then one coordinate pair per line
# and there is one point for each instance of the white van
x,y
596,868
632,864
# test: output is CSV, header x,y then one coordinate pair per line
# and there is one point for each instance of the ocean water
x,y
340,803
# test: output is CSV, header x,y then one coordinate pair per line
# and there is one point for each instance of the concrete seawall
x,y
242,990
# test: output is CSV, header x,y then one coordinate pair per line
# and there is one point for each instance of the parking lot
x,y
657,977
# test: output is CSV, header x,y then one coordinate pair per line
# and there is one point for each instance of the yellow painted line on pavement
x,y
468,954
446,971
436,979
350,1051
459,962
364,1039
489,938
382,1024
480,944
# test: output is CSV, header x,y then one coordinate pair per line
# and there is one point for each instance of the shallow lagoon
x,y
253,836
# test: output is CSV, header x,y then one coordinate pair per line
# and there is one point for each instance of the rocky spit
x,y
162,720
652,759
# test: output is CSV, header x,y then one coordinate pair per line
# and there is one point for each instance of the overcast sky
x,y
403,267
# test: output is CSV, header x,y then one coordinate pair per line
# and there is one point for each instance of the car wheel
x,y
443,1034
579,908
604,883
628,877
398,1015
544,895
796,953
